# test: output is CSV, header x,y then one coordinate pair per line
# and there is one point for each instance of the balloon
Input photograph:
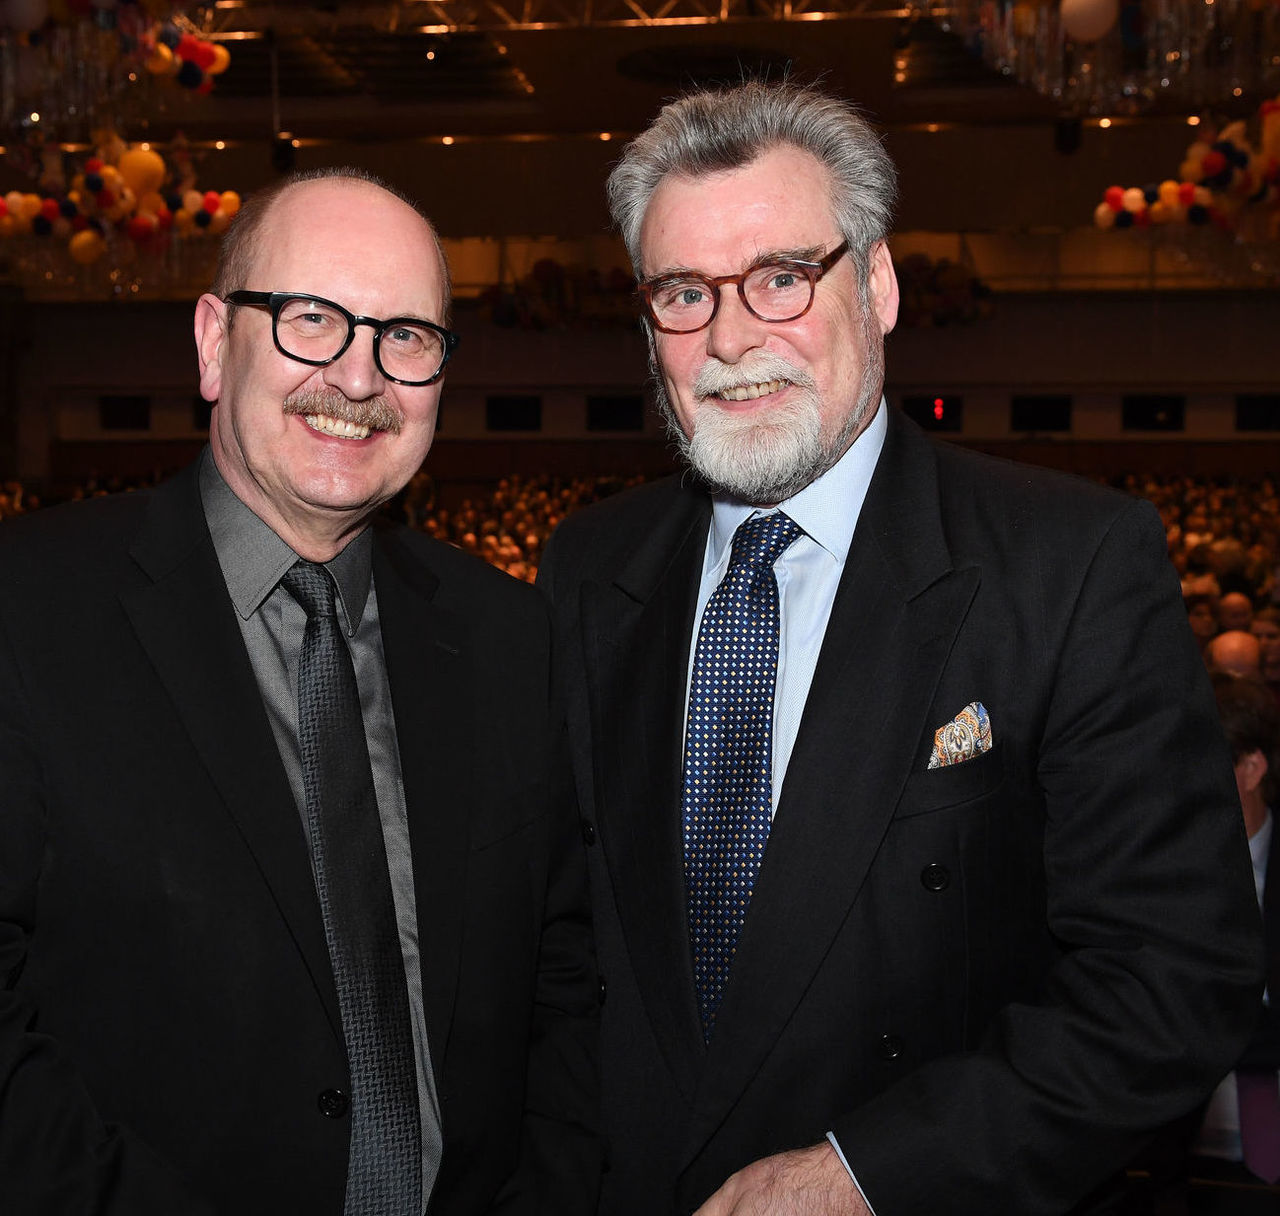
x,y
49,209
1134,199
1114,197
142,170
229,203
1088,20
1169,193
189,75
86,247
111,179
212,201
13,202
1186,193
182,221
193,201
32,205
160,61
151,203
204,55
221,60
1104,216
141,227
219,223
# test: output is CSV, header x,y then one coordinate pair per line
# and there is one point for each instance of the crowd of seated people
x,y
510,527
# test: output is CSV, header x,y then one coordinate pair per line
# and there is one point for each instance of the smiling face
x,y
766,407
289,438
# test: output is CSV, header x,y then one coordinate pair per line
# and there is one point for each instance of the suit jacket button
x,y
602,987
890,1047
935,877
333,1103
588,831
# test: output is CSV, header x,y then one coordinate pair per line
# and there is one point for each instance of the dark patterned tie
x,y
728,756
384,1174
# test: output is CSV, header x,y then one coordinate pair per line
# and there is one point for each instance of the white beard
x,y
766,456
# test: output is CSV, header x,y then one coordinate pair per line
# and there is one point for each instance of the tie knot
x,y
759,542
311,585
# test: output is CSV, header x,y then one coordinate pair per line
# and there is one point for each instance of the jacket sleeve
x,y
1151,910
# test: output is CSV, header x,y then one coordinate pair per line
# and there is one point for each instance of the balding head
x,y
1235,651
1235,611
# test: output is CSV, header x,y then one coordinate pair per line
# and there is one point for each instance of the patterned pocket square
x,y
968,734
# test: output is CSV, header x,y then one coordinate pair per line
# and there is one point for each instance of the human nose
x,y
355,372
735,329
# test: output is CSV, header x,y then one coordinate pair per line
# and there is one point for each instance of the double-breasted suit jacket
x,y
169,1033
987,979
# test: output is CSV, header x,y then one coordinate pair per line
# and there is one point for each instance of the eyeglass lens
x,y
314,330
774,292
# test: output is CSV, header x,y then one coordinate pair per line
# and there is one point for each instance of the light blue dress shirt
x,y
808,575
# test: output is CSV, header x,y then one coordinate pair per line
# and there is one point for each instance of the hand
x,y
804,1182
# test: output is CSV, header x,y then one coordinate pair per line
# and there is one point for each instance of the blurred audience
x,y
1223,534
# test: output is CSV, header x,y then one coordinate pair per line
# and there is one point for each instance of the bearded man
x,y
919,882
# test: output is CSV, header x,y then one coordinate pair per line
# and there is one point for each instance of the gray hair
x,y
716,130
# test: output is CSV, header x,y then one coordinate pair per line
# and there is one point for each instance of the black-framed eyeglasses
x,y
316,331
778,290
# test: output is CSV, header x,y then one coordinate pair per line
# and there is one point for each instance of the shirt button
x,y
588,832
890,1047
602,988
935,877
333,1103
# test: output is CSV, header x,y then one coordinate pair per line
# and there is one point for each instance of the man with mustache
x,y
919,885
273,939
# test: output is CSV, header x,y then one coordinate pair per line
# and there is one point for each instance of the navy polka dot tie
x,y
728,756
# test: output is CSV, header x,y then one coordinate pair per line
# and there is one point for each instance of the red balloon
x,y
4,208
79,222
1142,219
1114,198
141,227
164,217
50,209
1186,193
212,201
105,199
205,54
1213,163
93,165
205,86
188,47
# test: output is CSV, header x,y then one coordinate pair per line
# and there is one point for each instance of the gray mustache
x,y
377,413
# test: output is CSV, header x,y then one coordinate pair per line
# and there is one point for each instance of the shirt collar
x,y
254,559
827,509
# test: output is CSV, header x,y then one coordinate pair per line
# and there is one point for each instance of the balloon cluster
x,y
1222,175
142,33
126,198
193,61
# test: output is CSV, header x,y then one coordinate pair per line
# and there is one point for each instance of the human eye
x,y
680,295
311,318
407,336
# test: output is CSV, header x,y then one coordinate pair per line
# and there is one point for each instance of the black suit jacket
x,y
168,1019
986,979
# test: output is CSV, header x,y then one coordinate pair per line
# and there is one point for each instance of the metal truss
x,y
251,18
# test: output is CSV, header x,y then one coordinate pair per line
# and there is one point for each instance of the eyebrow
x,y
810,253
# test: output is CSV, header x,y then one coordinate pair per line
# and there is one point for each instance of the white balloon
x,y
1089,20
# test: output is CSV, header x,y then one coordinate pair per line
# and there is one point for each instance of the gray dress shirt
x,y
253,560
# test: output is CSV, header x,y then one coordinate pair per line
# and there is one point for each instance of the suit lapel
x,y
895,617
636,633
431,696
185,622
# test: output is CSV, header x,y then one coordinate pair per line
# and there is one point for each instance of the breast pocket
x,y
937,789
